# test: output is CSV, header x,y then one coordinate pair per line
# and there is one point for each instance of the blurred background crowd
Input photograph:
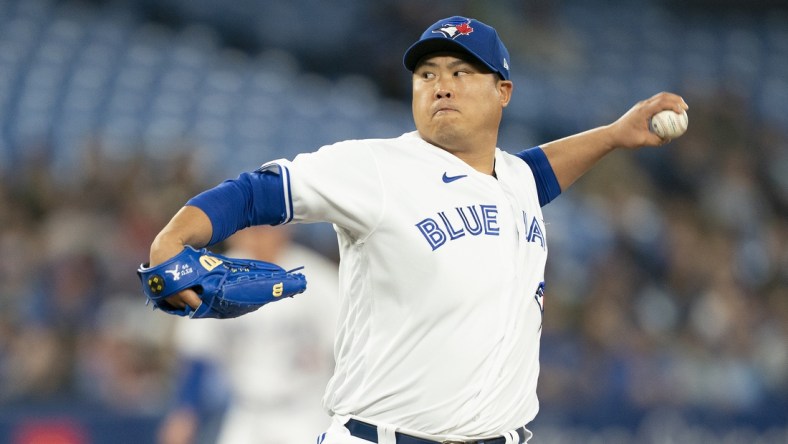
x,y
667,291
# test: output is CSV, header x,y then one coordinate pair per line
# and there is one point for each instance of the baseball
x,y
669,124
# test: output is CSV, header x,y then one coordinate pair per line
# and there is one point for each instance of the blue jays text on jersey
x,y
473,220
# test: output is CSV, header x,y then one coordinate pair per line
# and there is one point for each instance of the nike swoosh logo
x,y
450,179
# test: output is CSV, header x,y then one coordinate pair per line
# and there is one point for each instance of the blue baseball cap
x,y
464,35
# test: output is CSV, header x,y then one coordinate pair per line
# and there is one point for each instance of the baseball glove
x,y
228,287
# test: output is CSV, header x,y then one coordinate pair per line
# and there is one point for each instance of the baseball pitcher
x,y
443,247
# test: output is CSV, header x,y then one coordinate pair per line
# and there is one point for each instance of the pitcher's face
x,y
455,98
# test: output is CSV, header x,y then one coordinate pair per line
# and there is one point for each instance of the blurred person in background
x,y
273,362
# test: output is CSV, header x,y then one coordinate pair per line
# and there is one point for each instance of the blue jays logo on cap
x,y
461,34
452,29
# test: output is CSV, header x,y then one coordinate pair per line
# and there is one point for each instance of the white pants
x,y
338,434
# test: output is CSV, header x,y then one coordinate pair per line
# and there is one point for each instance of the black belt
x,y
369,432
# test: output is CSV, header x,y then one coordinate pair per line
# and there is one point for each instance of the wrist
x,y
608,141
164,248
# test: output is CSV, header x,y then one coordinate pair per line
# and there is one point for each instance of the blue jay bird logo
x,y
539,297
452,30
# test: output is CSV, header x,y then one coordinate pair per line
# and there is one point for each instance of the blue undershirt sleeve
x,y
254,198
547,185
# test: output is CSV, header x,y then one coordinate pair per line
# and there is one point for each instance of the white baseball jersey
x,y
439,322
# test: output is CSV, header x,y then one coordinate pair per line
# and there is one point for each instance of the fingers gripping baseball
x,y
632,129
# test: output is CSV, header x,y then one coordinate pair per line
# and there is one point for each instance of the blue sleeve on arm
x,y
546,183
255,198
